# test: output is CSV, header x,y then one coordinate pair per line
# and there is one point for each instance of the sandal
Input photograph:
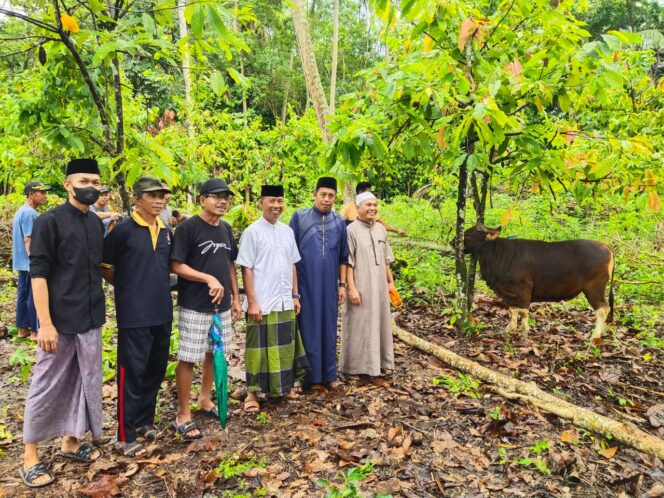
x,y
148,432
184,430
82,454
212,413
132,449
33,473
252,406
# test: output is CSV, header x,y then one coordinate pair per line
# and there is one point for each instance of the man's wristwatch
x,y
343,284
297,296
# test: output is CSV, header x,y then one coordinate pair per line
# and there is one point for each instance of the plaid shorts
x,y
194,327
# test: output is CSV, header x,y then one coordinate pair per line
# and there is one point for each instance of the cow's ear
x,y
493,234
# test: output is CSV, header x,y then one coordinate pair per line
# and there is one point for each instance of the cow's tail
x,y
609,318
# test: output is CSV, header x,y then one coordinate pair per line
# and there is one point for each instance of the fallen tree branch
x,y
445,250
528,391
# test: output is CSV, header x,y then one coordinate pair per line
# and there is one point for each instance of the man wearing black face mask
x,y
65,398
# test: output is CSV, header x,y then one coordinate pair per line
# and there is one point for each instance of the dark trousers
x,y
26,316
142,361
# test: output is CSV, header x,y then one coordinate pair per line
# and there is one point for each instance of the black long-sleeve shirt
x,y
66,249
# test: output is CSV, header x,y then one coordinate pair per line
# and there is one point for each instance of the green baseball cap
x,y
35,187
149,184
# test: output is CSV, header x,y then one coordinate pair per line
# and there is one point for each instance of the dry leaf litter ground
x,y
422,439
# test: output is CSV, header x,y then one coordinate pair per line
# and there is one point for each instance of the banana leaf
x,y
220,368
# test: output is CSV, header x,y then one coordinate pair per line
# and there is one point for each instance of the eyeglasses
x,y
217,197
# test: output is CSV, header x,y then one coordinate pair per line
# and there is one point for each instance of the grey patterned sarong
x,y
65,396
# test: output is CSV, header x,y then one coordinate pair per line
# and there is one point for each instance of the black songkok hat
x,y
327,182
272,191
82,166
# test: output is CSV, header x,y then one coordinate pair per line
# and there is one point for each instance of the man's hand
x,y
342,295
236,310
297,305
115,216
216,290
47,338
391,286
255,312
401,233
354,297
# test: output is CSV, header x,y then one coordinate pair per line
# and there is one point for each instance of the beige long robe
x,y
366,334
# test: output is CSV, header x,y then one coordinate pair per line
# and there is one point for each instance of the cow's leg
x,y
600,321
525,326
599,303
514,317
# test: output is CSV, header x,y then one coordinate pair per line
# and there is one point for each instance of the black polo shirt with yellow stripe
x,y
140,256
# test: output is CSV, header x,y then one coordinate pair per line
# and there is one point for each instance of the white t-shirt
x,y
270,252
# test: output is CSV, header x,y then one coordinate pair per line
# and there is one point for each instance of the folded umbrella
x,y
220,368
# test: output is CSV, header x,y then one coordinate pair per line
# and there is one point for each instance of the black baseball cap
x,y
213,186
104,189
149,184
35,187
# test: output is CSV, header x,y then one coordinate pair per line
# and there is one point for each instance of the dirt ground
x,y
423,438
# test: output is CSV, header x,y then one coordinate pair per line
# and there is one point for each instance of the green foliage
x,y
263,419
495,414
109,353
464,384
232,466
470,87
346,486
23,358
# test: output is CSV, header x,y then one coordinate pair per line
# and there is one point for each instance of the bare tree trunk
x,y
460,270
479,201
528,392
120,134
335,55
186,65
309,67
236,28
244,92
284,107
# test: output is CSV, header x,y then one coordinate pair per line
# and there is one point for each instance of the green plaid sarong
x,y
275,360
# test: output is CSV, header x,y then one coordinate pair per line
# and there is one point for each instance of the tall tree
x,y
496,102
309,66
186,64
335,56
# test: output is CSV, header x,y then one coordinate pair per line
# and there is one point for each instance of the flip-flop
x,y
252,406
37,470
148,432
212,413
184,430
132,449
82,454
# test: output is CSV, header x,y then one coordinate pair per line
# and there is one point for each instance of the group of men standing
x,y
295,277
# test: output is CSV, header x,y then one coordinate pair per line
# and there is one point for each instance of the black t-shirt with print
x,y
208,249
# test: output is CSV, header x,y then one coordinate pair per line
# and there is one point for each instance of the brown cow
x,y
523,271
